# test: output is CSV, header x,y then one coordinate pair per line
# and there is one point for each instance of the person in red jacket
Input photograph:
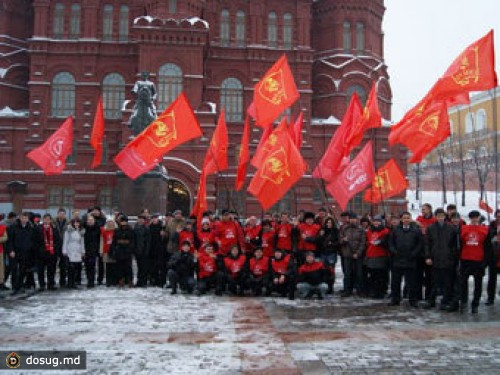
x,y
252,236
377,257
185,234
312,278
281,275
234,273
474,250
268,238
423,274
107,234
284,234
228,233
207,267
204,234
308,236
258,271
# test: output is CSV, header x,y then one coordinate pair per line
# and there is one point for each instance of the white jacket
x,y
73,245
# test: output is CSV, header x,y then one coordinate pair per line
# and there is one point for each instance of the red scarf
x,y
48,237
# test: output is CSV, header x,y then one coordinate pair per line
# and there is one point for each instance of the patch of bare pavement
x,y
136,331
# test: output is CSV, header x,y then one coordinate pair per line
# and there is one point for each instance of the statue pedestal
x,y
148,191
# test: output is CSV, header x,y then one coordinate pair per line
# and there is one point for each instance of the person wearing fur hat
x,y
311,278
281,275
377,257
308,233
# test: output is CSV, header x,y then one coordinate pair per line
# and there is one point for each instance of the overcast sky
x,y
423,37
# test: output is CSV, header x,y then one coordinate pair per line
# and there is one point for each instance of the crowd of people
x,y
435,254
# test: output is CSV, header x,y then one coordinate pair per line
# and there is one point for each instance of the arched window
x,y
469,123
224,28
107,23
74,24
347,35
360,36
63,95
172,6
287,30
113,95
240,28
361,93
272,30
481,120
123,27
58,28
231,99
169,84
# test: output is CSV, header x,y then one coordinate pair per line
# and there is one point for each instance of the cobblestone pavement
x,y
137,331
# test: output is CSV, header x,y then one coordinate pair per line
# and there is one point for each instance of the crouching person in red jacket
x,y
281,275
312,278
258,275
207,267
234,273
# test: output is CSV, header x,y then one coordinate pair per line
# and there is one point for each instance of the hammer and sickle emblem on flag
x,y
469,71
272,88
430,125
383,181
163,130
275,167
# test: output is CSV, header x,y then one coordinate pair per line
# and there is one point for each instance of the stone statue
x,y
144,111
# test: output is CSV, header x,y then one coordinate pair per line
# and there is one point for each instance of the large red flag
x,y
216,156
356,177
388,182
370,119
334,158
51,156
275,92
472,70
97,134
281,168
297,130
200,205
267,141
424,132
244,156
132,163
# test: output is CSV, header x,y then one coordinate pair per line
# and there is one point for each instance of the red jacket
x,y
280,266
251,236
107,239
284,232
187,235
312,273
472,238
259,267
205,237
3,228
426,221
310,232
235,265
228,233
268,243
375,251
207,265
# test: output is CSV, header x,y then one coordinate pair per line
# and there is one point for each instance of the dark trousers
x,y
397,275
186,283
206,283
442,281
353,274
78,274
475,269
100,270
47,262
18,268
377,282
124,270
63,270
257,283
288,287
233,283
492,278
74,269
111,279
90,269
157,269
423,280
142,270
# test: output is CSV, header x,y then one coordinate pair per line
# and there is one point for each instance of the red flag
x,y
267,141
388,182
371,119
51,156
280,169
244,157
275,92
484,206
424,132
472,70
356,177
97,134
297,130
132,164
334,160
201,199
251,111
216,156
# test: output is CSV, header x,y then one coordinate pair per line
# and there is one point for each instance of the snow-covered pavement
x,y
140,331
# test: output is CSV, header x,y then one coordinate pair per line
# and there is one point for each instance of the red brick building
x,y
58,56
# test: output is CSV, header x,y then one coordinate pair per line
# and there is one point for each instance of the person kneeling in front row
x,y
312,278
181,269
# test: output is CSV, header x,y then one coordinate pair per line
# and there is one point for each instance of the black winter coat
x,y
158,244
142,240
123,243
182,263
24,241
405,246
92,240
441,245
329,241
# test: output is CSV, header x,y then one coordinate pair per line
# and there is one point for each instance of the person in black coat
x,y
122,249
441,253
23,243
60,223
141,252
158,255
51,246
405,245
329,246
92,240
181,269
311,278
